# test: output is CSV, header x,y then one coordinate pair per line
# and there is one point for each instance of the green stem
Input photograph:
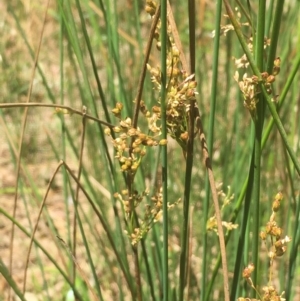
x,y
164,43
189,161
210,138
259,121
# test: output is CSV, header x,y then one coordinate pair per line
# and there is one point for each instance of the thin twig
x,y
177,38
214,192
77,194
37,223
60,109
144,68
81,272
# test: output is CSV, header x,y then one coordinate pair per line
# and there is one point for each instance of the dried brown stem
x,y
76,196
214,192
68,109
144,68
11,251
37,223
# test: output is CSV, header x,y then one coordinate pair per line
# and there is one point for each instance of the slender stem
x,y
258,121
74,242
275,35
242,236
137,273
189,161
217,208
210,180
164,148
144,68
281,130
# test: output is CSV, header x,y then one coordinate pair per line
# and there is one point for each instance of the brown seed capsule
x,y
278,244
119,106
190,93
264,75
277,62
276,206
128,163
263,235
149,142
124,167
279,196
248,270
276,231
116,111
269,226
271,79
123,136
142,136
122,159
184,136
124,191
163,142
128,121
175,72
137,141
107,131
280,251
175,51
137,150
156,109
134,166
117,129
192,84
254,79
131,132
150,10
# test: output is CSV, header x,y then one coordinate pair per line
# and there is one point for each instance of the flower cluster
x,y
229,27
243,61
151,215
250,86
130,143
278,248
152,212
181,90
135,199
272,230
270,294
250,89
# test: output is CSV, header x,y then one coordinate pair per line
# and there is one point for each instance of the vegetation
x,y
150,151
